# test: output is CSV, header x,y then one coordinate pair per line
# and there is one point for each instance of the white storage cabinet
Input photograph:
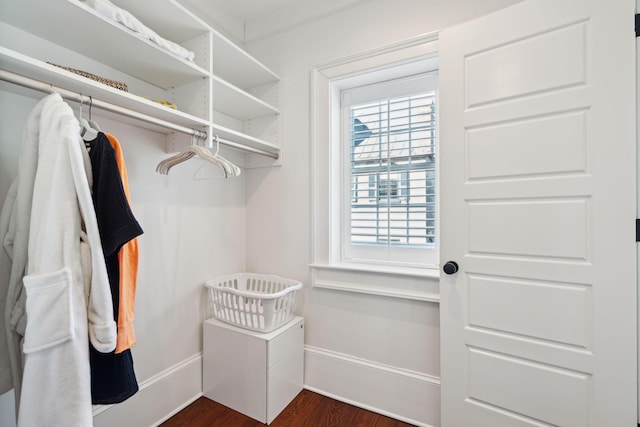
x,y
257,374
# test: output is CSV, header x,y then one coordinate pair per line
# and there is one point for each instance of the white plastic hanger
x,y
93,123
86,131
230,168
192,150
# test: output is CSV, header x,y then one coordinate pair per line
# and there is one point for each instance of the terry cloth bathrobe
x,y
65,282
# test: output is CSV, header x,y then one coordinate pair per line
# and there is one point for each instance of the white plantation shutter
x,y
390,131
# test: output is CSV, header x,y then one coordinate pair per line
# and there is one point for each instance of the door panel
x,y
524,227
537,144
523,316
558,396
546,145
533,66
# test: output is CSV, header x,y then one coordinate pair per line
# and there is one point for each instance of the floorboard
x,y
308,409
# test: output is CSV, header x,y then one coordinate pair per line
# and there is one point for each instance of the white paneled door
x,y
538,210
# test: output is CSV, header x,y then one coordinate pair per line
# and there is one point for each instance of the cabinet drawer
x,y
284,382
285,343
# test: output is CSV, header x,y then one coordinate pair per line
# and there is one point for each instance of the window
x,y
387,142
392,142
374,171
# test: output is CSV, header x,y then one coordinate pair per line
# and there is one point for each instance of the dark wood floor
x,y
308,409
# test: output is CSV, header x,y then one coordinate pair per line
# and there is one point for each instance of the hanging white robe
x,y
14,234
68,299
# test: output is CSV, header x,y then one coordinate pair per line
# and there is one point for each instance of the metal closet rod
x,y
41,86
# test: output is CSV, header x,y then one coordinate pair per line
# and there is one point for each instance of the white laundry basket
x,y
258,302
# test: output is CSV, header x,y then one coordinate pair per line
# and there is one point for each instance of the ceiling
x,y
246,21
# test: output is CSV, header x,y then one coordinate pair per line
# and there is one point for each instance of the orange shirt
x,y
128,260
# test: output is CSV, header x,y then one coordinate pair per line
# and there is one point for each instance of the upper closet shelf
x,y
224,83
237,103
18,63
73,24
168,18
174,22
226,133
236,66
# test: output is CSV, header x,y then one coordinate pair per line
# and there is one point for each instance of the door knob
x,y
451,267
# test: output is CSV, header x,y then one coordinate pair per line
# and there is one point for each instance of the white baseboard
x,y
159,397
401,394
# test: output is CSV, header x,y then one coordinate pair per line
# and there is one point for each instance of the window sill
x,y
408,283
431,273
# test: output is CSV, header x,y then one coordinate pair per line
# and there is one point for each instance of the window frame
x,y
327,268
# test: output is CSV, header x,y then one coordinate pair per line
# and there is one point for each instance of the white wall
x,y
374,351
193,230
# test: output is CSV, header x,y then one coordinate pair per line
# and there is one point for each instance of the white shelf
x,y
230,100
237,86
168,18
72,24
38,70
174,22
243,139
236,66
18,63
